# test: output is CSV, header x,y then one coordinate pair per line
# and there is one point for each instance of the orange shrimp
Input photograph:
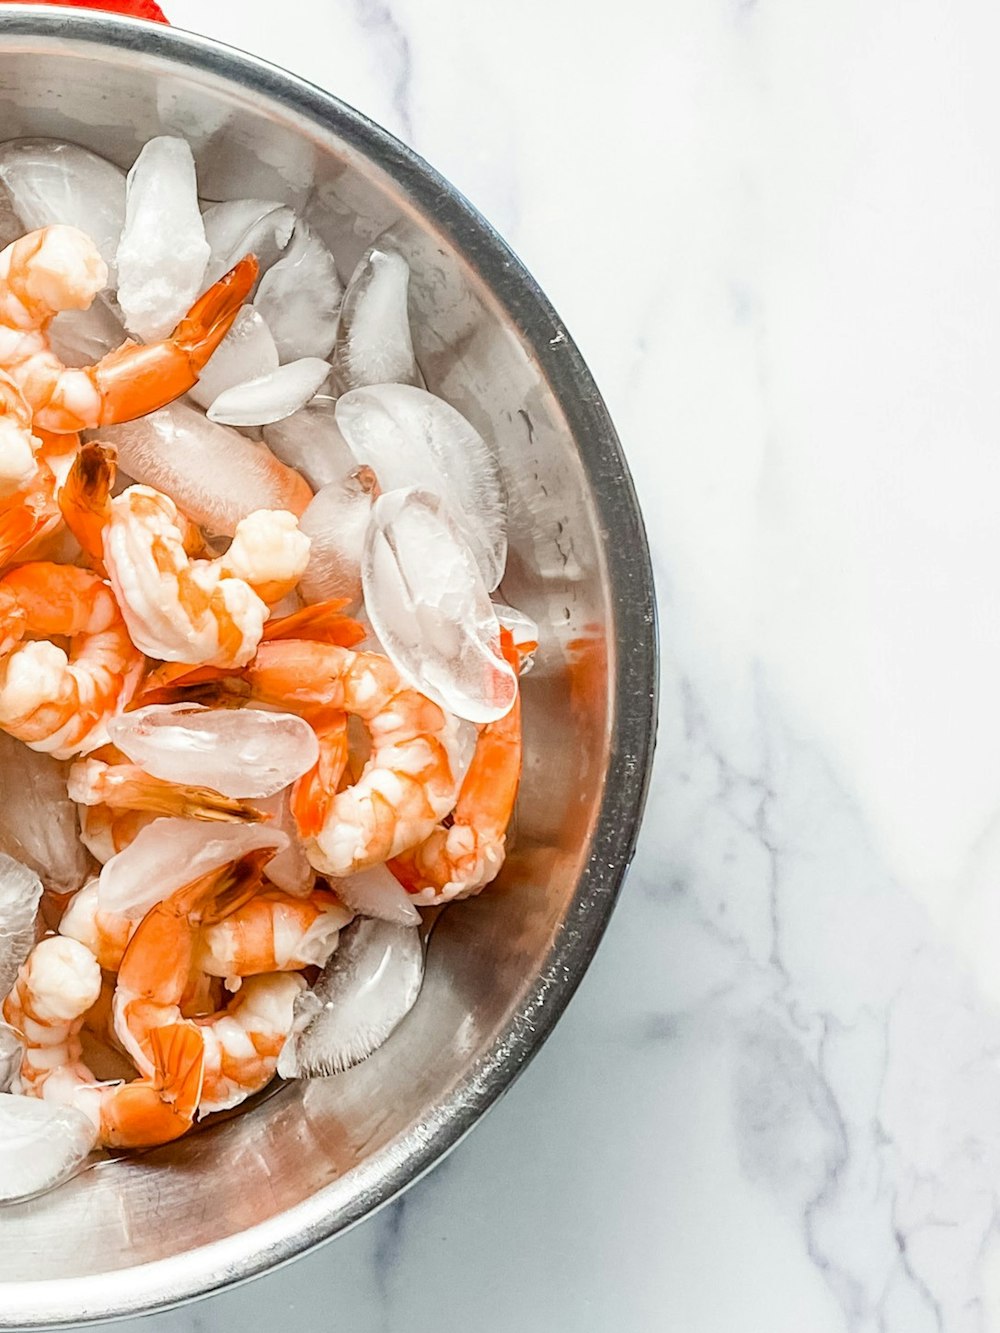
x,y
59,268
57,987
273,932
199,611
242,1041
56,700
458,861
408,782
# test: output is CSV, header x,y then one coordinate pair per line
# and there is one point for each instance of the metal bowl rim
x,y
214,1267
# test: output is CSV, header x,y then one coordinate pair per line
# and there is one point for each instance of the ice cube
x,y
170,853
300,297
36,811
246,352
49,181
20,894
163,252
430,609
239,752
42,1145
271,397
241,227
211,472
289,870
378,893
310,441
410,438
374,345
82,337
11,1055
336,523
365,991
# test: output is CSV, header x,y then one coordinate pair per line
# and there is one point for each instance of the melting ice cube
x,y
336,523
41,1146
211,472
163,252
37,814
20,894
365,991
300,297
374,345
430,609
410,438
241,227
246,352
270,397
50,181
240,752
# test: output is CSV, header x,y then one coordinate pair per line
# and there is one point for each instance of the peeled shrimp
x,y
104,832
58,700
18,443
458,861
56,988
106,934
198,611
242,1041
408,782
273,932
59,268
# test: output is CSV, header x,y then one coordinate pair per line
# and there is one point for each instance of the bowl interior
x,y
308,1160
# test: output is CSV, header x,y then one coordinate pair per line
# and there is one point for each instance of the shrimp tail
x,y
85,498
322,622
159,1109
218,894
178,1053
135,380
120,786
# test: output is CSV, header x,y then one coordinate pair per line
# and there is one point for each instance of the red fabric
x,y
140,9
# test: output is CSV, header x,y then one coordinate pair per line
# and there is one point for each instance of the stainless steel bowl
x,y
244,1195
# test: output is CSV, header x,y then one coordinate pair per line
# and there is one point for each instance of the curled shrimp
x,y
56,988
198,611
59,268
273,932
19,445
459,860
243,1041
54,699
105,832
408,782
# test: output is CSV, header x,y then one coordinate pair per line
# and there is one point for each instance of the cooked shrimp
x,y
54,700
85,498
242,1041
59,268
123,786
56,988
458,861
19,445
408,782
105,832
106,934
197,611
273,932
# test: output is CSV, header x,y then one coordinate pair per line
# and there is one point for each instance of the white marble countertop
x,y
774,230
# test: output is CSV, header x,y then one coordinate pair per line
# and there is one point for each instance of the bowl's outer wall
x,y
244,1195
